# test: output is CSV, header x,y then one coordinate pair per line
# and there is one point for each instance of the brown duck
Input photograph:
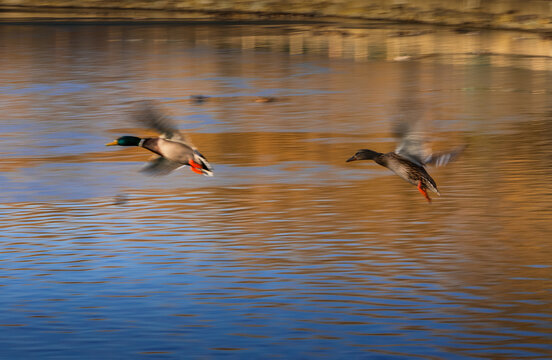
x,y
173,150
409,159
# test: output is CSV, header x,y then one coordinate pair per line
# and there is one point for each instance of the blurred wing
x,y
184,139
150,116
443,158
411,143
413,146
160,166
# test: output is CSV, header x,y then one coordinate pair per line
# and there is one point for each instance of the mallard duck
x,y
409,159
173,150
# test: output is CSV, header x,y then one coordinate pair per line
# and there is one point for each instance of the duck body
x,y
170,150
173,155
408,170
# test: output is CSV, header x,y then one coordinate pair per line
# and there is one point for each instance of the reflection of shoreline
x,y
530,15
361,42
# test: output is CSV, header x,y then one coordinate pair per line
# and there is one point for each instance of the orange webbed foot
x,y
195,167
422,190
194,164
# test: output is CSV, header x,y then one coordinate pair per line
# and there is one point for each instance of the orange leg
x,y
194,164
195,167
422,190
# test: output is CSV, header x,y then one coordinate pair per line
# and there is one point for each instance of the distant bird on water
x,y
172,148
409,159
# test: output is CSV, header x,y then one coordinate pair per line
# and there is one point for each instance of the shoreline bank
x,y
531,16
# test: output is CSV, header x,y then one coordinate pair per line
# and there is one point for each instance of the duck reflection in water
x,y
172,148
410,158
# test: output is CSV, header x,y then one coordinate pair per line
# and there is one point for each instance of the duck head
x,y
364,154
126,141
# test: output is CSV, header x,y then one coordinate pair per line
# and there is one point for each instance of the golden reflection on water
x,y
287,244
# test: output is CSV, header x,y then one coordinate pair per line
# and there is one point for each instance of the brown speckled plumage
x,y
409,159
407,170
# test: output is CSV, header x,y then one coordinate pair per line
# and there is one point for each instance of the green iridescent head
x,y
126,141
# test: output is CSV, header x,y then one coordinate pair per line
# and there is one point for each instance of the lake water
x,y
288,251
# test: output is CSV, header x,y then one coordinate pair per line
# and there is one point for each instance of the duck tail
x,y
200,165
433,188
429,183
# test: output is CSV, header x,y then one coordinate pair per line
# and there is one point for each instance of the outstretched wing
x,y
411,144
443,158
160,166
149,115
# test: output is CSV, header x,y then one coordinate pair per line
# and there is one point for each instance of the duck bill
x,y
114,142
352,158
